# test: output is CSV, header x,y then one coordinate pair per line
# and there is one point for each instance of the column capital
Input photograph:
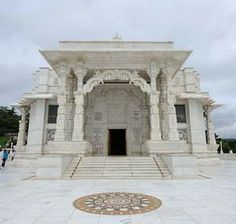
x,y
61,99
208,108
153,72
22,109
62,68
79,70
168,69
153,69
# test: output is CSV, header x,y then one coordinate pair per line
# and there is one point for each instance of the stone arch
x,y
132,77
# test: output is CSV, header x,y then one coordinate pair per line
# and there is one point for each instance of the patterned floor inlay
x,y
117,203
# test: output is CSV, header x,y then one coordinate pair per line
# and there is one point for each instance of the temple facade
x,y
116,98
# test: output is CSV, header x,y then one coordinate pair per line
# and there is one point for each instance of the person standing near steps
x,y
4,156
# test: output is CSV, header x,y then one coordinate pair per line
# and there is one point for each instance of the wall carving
x,y
50,134
182,134
132,77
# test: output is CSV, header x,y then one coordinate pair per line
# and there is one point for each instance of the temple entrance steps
x,y
117,167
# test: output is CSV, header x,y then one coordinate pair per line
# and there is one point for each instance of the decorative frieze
x,y
182,134
50,135
132,77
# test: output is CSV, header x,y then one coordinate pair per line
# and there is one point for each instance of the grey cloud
x,y
225,121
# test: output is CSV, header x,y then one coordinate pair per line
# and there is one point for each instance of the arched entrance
x,y
117,119
117,112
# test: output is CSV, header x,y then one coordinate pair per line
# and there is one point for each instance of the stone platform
x,y
210,198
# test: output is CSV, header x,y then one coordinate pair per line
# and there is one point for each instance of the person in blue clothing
x,y
4,156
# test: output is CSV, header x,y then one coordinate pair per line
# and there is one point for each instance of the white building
x,y
116,98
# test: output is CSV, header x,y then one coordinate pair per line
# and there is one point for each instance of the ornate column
x,y
22,127
61,118
167,101
210,128
155,133
60,134
78,131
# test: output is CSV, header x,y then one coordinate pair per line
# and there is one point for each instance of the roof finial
x,y
117,37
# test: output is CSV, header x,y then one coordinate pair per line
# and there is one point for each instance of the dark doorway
x,y
117,142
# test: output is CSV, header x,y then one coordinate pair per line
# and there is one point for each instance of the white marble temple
x,y
96,87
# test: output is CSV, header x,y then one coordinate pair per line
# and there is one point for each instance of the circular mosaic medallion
x,y
117,203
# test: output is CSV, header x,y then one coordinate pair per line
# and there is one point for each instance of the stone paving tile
x,y
188,201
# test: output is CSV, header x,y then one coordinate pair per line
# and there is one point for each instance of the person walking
x,y
12,154
4,156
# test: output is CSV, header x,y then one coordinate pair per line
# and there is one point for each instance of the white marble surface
x,y
185,201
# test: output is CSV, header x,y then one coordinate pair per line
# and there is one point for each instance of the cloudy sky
x,y
206,26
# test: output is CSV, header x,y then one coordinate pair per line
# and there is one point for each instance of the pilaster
x,y
197,126
36,126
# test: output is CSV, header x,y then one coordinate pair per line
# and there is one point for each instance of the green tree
x,y
225,146
9,121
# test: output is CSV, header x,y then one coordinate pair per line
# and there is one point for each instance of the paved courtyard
x,y
211,198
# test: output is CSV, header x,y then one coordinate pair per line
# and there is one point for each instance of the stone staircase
x,y
117,167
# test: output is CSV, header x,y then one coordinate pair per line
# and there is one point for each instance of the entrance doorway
x,y
117,142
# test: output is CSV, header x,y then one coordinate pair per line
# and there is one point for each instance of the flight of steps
x,y
108,167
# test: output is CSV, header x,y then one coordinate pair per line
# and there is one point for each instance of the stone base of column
x,y
60,136
78,136
173,136
155,136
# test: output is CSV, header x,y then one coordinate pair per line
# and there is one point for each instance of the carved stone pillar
x,y
22,127
155,133
61,118
60,134
78,131
168,114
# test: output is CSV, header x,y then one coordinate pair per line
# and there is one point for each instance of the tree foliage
x,y
227,144
9,120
